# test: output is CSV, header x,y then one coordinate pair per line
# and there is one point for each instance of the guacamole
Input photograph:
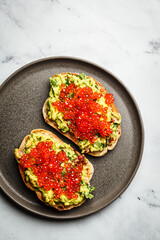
x,y
64,124
67,153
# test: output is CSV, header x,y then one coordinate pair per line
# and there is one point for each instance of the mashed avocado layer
x,y
49,196
80,80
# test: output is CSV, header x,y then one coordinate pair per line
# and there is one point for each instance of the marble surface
x,y
124,37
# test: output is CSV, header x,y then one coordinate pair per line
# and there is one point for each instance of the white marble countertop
x,y
124,37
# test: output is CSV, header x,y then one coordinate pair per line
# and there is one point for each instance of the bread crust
x,y
70,135
60,206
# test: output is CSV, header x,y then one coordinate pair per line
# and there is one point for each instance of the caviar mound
x,y
80,108
59,175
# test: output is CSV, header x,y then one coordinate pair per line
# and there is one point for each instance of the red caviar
x,y
109,99
86,116
46,165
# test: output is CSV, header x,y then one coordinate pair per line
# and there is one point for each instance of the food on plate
x,y
81,109
59,175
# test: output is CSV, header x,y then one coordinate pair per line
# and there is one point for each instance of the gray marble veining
x,y
124,37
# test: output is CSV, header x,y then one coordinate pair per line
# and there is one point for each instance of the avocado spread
x,y
80,81
49,195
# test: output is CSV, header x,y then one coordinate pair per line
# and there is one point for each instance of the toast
x,y
110,143
72,158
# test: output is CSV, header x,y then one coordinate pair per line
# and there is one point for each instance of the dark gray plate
x,y
21,99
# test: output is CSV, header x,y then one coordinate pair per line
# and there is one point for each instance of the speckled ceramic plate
x,y
21,99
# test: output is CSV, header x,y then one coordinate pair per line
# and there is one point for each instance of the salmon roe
x,y
87,117
46,165
109,99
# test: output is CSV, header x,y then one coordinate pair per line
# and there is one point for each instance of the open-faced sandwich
x,y
80,108
59,175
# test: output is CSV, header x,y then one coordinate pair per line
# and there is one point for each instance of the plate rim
x,y
3,184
